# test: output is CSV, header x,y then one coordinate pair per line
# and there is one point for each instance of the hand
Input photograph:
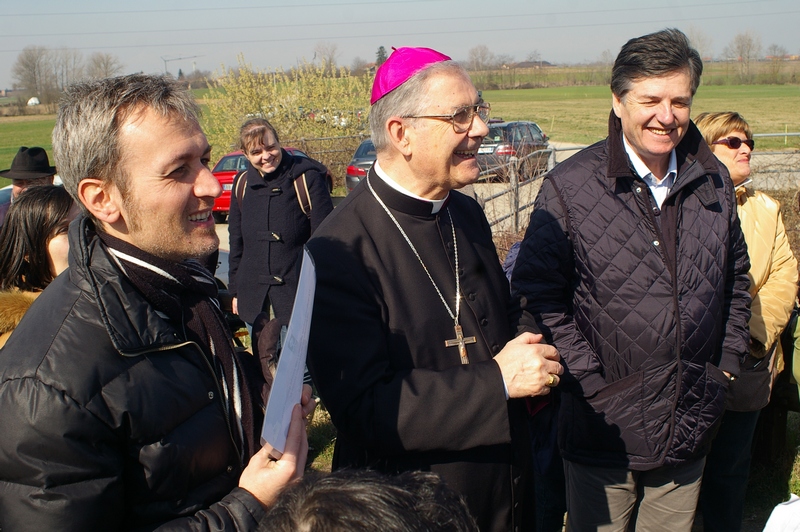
x,y
308,403
264,477
235,305
526,365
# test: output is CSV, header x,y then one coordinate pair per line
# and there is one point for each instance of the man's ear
x,y
616,104
100,199
400,135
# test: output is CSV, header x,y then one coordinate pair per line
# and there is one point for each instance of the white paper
x,y
288,384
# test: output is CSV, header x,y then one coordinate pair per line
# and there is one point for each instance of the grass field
x,y
580,114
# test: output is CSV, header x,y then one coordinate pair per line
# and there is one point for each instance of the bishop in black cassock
x,y
385,350
399,398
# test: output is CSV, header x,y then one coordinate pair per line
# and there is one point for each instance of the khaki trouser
x,y
618,500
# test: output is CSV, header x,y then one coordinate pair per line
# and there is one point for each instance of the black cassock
x,y
398,397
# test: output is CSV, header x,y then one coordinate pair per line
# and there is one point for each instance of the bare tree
x,y
607,58
358,67
326,53
700,41
504,61
68,66
534,57
103,65
33,72
777,56
480,58
744,48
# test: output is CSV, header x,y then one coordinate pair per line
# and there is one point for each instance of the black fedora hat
x,y
29,163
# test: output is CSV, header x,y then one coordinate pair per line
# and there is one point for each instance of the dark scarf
x,y
186,293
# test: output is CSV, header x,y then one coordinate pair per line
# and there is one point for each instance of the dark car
x,y
514,139
360,165
227,168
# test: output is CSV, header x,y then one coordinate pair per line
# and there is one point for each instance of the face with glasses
x,y
443,140
734,150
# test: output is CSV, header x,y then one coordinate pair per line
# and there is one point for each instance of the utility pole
x,y
175,59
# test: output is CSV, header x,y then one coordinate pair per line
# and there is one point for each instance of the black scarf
x,y
186,293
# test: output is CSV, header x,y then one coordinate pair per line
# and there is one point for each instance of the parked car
x,y
360,165
514,139
5,194
227,168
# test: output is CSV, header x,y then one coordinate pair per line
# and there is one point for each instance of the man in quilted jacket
x,y
634,266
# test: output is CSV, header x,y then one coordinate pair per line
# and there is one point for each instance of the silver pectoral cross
x,y
460,342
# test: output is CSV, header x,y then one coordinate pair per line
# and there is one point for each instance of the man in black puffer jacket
x,y
122,404
634,266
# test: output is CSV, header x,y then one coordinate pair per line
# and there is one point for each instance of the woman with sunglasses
x,y
773,285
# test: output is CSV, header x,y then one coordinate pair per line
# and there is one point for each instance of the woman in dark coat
x,y
267,224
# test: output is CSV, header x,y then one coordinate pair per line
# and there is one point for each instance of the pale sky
x,y
278,33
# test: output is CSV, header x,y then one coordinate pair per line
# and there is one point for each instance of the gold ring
x,y
552,381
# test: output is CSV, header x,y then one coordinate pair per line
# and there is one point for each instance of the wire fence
x,y
508,204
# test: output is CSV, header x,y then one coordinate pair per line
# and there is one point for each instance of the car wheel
x,y
220,217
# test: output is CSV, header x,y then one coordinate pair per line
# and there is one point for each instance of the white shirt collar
x,y
642,170
436,205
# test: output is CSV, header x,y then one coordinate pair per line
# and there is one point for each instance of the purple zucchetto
x,y
399,67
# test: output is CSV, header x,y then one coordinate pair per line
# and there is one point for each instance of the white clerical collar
x,y
436,205
643,171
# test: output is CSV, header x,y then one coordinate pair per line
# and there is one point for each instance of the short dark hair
x,y
86,139
653,55
369,501
37,215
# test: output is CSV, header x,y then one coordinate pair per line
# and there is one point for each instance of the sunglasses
x,y
462,117
735,143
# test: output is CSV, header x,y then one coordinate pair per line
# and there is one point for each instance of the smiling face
x,y
736,161
441,159
266,155
166,208
655,117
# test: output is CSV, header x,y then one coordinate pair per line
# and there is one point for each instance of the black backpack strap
x,y
303,197
239,187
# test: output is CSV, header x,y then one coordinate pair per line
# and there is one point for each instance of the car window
x,y
366,149
495,135
538,135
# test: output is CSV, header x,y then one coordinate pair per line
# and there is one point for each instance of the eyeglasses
x,y
463,116
735,143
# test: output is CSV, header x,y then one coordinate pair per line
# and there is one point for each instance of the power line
x,y
384,35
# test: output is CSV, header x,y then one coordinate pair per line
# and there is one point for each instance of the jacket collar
x,y
694,157
398,201
132,324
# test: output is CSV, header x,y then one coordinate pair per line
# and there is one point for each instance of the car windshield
x,y
495,135
367,149
231,163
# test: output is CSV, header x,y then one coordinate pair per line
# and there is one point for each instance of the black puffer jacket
x,y
268,232
110,419
646,306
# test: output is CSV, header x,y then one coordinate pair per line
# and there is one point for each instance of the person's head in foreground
x,y
653,81
131,150
427,122
34,238
731,140
369,501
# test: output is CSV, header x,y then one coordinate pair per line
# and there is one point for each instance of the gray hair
x,y
410,98
656,54
86,135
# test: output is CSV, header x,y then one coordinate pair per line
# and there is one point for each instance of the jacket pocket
x,y
612,420
699,411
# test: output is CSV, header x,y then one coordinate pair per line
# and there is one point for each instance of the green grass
x,y
20,131
579,114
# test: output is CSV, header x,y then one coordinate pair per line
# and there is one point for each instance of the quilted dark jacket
x,y
110,419
646,306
